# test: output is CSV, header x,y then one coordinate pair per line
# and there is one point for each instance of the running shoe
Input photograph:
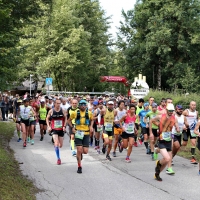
x,y
128,160
79,171
157,177
41,139
114,154
140,141
59,162
135,144
24,144
19,140
91,144
193,161
104,149
108,157
158,166
95,147
32,142
98,151
170,171
73,153
172,163
29,139
121,148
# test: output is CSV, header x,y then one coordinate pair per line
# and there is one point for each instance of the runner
x,y
71,109
121,112
182,124
98,118
138,109
129,130
165,123
151,101
17,118
109,117
162,107
42,114
144,125
58,127
32,121
153,138
25,111
192,118
196,131
82,129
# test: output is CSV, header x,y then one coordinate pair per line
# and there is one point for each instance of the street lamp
x,y
30,83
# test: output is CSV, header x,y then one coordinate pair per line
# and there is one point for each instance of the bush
x,y
182,99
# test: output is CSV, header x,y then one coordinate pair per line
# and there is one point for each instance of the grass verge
x,y
13,185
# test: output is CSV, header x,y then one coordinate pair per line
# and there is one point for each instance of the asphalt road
x,y
102,179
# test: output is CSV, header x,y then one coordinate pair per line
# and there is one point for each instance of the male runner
x,y
58,126
82,129
165,123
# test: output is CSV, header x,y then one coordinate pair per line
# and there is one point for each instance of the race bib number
x,y
167,136
129,128
79,134
58,124
179,133
32,118
99,128
108,126
192,133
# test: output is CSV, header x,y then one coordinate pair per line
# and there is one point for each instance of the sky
x,y
113,8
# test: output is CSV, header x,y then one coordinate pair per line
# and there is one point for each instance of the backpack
x,y
78,118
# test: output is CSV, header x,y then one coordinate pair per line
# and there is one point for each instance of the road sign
x,y
49,81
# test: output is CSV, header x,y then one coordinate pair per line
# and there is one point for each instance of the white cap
x,y
111,102
170,106
42,100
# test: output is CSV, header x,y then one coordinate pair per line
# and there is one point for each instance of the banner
x,y
119,79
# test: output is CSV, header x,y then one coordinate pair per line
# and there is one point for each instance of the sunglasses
x,y
82,104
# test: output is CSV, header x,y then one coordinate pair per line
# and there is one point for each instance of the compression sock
x,y
146,144
57,152
72,144
91,140
95,140
193,151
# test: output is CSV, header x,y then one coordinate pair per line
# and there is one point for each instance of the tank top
x,y
42,113
108,120
165,127
57,121
120,114
129,124
191,119
180,120
25,112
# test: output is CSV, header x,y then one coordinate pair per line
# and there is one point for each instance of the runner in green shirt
x,y
150,115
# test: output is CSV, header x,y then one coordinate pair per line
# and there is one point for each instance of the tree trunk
x,y
159,77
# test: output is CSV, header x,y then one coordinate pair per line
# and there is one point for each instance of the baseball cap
x,y
19,101
82,101
146,104
95,103
170,106
111,102
154,105
42,100
179,106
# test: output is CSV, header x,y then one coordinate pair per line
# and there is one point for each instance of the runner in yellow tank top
x,y
109,117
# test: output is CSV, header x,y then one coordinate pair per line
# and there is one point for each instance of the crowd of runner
x,y
97,121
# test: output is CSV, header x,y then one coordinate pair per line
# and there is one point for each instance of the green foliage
x,y
161,39
177,97
67,42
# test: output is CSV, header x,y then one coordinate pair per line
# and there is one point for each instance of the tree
x,y
162,37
